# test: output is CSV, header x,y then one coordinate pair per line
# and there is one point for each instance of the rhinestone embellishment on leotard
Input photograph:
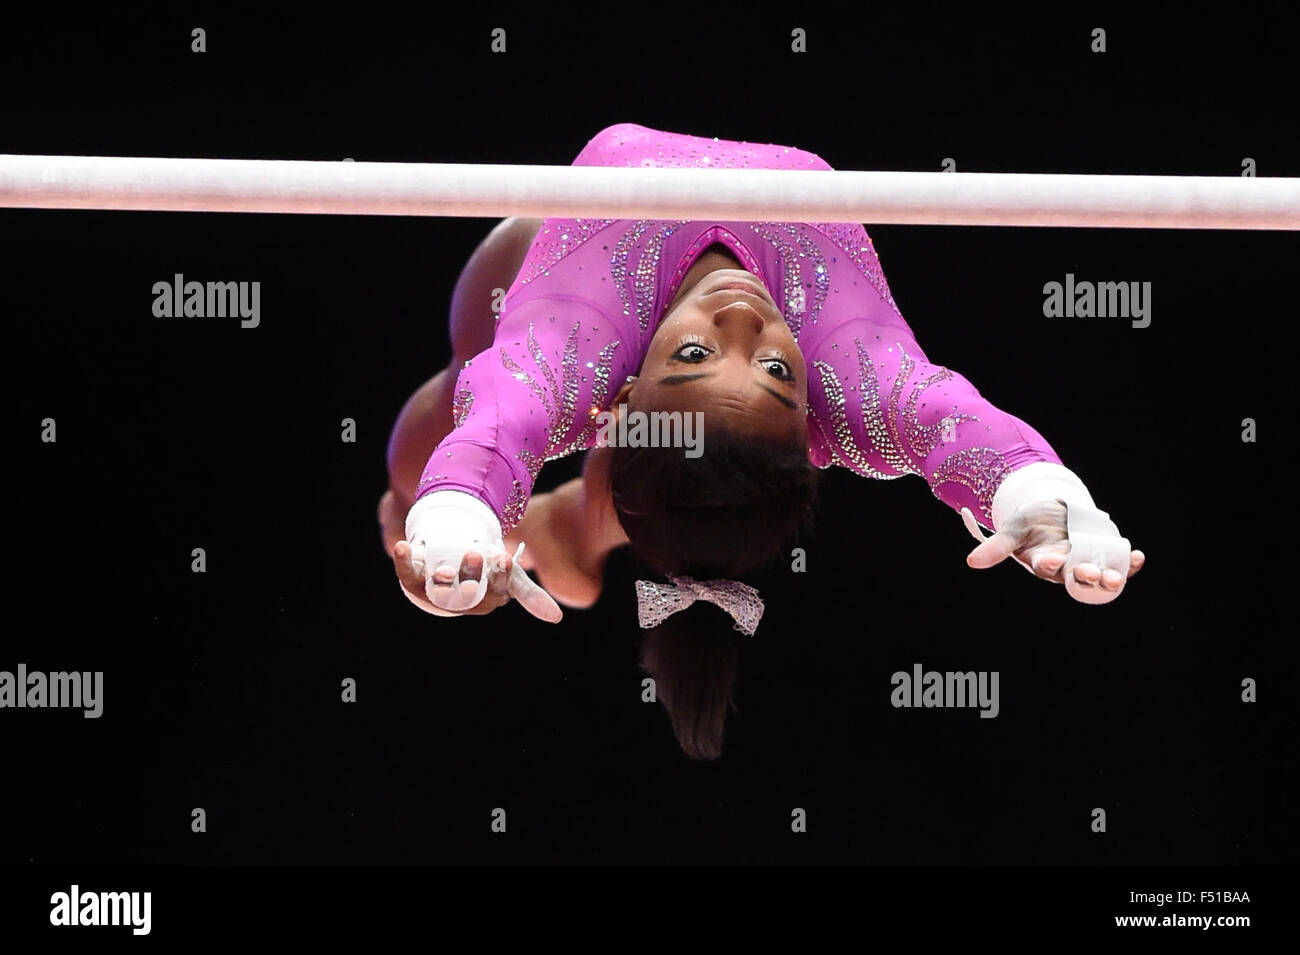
x,y
512,512
618,262
599,391
555,240
857,245
982,470
559,395
461,404
881,425
844,447
642,298
922,439
795,298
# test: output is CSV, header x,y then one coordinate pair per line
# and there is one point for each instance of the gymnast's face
x,y
725,349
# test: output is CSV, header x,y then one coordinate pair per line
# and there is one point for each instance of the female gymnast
x,y
785,336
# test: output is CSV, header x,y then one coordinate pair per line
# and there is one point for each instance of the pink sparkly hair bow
x,y
656,602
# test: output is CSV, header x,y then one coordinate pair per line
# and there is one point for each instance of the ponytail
x,y
693,657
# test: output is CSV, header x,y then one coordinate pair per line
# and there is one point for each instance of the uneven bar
x,y
498,191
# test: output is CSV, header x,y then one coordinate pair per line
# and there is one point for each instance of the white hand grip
x,y
1094,539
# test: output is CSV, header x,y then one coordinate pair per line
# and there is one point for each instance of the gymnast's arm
x,y
884,410
528,398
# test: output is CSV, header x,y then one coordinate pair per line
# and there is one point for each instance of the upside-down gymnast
x,y
785,336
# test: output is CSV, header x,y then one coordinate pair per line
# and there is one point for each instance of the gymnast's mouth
x,y
737,283
742,287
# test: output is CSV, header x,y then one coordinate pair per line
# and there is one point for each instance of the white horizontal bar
x,y
499,191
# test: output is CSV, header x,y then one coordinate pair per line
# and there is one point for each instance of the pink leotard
x,y
579,316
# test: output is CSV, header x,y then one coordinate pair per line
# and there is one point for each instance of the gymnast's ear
x,y
621,397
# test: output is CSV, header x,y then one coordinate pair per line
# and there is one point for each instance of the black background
x,y
222,690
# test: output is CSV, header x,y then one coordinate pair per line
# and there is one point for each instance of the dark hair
x,y
735,510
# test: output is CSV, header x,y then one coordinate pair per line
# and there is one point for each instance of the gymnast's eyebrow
x,y
682,379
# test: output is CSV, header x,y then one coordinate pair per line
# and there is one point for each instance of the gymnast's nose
x,y
738,317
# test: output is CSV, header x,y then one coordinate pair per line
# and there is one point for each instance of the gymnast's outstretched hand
x,y
1091,559
453,561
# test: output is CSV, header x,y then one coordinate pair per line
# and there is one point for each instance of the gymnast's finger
x,y
994,550
1114,579
531,596
410,579
1136,561
1111,579
453,587
498,591
472,566
1047,565
1087,573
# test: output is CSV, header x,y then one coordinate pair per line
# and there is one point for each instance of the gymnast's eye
x,y
777,368
692,352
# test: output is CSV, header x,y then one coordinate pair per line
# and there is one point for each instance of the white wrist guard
x,y
1094,537
444,526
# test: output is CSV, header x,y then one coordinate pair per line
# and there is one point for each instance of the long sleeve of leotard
x,y
532,396
884,410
